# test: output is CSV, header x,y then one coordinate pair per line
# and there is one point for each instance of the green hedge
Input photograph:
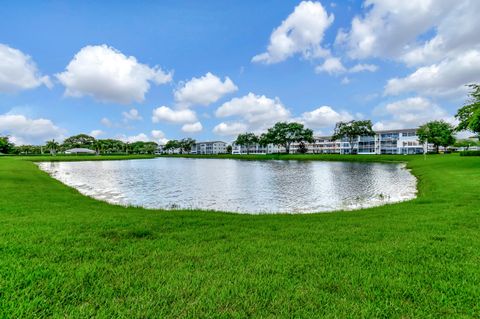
x,y
470,153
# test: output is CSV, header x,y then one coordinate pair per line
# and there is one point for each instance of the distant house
x,y
79,151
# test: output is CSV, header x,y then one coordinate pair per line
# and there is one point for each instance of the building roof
x,y
327,137
79,150
207,142
397,130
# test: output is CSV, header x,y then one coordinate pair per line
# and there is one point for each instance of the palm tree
x,y
52,146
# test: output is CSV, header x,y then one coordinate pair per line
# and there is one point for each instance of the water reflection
x,y
238,186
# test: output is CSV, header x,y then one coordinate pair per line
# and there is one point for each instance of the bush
x,y
470,153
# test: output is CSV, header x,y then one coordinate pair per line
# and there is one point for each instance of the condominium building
x,y
404,141
213,147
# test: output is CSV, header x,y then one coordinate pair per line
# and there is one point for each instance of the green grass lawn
x,y
66,255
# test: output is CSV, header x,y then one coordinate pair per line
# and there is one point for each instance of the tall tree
x,y
186,145
171,145
247,140
352,130
6,147
52,146
284,134
80,140
469,115
438,133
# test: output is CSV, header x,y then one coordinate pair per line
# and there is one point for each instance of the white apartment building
x,y
403,141
213,147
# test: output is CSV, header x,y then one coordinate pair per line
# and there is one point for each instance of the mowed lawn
x,y
66,255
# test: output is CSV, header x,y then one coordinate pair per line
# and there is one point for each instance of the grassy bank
x,y
66,255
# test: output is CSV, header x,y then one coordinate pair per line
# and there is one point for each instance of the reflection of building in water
x,y
403,141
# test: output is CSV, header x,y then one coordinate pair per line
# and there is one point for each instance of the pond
x,y
238,186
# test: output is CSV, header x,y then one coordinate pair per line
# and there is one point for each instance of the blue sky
x,y
209,69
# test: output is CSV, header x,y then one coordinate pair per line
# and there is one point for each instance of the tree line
x,y
100,146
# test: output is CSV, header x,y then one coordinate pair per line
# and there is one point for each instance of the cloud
x,y
230,129
108,75
331,66
409,113
444,78
159,136
166,114
192,128
204,90
301,33
390,28
18,71
414,32
257,111
96,133
141,137
334,66
345,80
324,116
24,130
363,67
106,122
131,115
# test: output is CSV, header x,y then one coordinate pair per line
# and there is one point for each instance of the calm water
x,y
238,186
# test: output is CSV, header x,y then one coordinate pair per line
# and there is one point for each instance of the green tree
x,y
302,148
186,145
469,115
171,145
352,130
284,134
466,143
150,147
229,149
52,146
80,140
247,140
438,133
110,146
6,147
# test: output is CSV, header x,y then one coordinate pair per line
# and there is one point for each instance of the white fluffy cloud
x,y
258,111
132,115
108,75
159,136
192,127
301,33
96,133
230,129
204,90
409,113
446,77
390,28
331,66
24,130
324,116
335,66
141,137
166,114
440,38
363,67
18,71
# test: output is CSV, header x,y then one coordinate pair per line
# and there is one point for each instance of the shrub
x,y
470,153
